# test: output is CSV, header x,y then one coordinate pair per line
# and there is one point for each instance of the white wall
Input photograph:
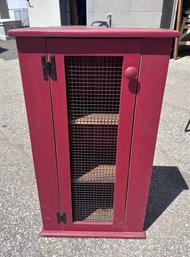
x,y
126,13
44,13
18,11
14,4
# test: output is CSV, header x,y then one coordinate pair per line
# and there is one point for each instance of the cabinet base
x,y
93,234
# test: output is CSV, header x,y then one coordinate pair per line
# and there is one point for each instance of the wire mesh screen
x,y
93,95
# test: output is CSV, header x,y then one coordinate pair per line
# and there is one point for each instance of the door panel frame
x,y
130,50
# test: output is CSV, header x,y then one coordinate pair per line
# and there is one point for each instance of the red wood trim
x,y
38,105
59,101
94,234
90,223
93,32
99,226
153,71
95,46
127,100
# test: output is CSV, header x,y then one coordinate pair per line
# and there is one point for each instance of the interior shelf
x,y
103,215
97,119
100,174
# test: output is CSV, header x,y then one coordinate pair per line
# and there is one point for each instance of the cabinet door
x,y
93,103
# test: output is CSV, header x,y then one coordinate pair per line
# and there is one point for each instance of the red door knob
x,y
131,73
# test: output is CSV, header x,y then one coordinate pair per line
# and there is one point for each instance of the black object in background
x,y
167,10
81,6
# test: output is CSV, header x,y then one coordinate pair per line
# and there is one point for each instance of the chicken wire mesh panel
x,y
93,93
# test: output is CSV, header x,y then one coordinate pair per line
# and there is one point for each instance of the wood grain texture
x,y
97,119
100,174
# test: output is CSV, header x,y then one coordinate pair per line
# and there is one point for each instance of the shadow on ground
x,y
166,184
183,51
3,50
8,49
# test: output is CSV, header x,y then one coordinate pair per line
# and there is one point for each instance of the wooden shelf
x,y
100,174
97,119
103,215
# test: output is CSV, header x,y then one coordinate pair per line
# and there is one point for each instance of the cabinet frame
x,y
155,51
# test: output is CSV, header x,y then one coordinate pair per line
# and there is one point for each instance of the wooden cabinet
x,y
93,99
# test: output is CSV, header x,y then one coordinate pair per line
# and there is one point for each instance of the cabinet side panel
x,y
39,112
153,72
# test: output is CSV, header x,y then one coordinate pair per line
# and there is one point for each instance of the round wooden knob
x,y
131,73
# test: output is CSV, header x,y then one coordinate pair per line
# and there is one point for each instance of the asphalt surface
x,y
168,214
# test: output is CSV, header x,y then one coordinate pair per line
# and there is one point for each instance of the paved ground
x,y
8,50
168,216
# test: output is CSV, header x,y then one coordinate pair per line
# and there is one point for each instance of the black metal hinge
x,y
61,218
49,68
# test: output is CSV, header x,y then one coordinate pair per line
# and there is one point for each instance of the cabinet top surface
x,y
93,32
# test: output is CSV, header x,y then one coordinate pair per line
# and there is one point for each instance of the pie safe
x,y
93,98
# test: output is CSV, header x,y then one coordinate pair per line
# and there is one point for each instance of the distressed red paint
x,y
147,51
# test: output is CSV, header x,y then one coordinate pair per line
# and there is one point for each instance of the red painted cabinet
x,y
93,99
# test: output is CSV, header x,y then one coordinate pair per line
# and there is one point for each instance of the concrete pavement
x,y
168,213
